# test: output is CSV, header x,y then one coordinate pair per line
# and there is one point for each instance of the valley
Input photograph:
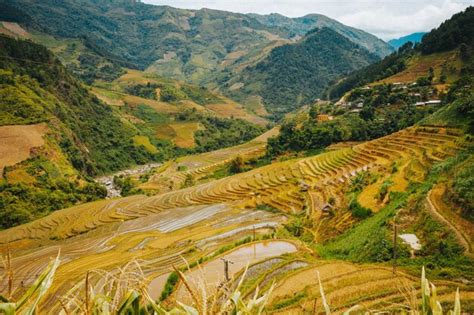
x,y
150,229
159,160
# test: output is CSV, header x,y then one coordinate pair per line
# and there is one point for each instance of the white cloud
x,y
384,18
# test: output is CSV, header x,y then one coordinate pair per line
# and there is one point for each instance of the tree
x,y
423,81
464,51
314,111
442,78
237,165
431,74
367,112
189,181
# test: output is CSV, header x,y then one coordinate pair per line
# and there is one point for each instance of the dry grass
x,y
20,176
17,142
363,288
228,108
13,29
419,66
181,133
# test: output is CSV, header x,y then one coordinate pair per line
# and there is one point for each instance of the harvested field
x,y
230,108
13,29
158,241
181,133
108,97
255,104
419,66
276,184
173,175
226,108
160,107
17,142
345,285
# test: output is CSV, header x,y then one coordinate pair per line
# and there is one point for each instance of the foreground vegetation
x,y
124,294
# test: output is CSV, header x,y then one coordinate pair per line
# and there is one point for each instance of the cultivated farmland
x,y
17,142
194,222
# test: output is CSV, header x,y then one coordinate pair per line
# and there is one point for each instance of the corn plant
x,y
28,302
430,303
124,292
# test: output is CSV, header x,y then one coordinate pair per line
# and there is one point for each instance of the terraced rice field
x,y
371,287
174,173
13,29
277,184
157,241
193,222
113,94
229,108
211,274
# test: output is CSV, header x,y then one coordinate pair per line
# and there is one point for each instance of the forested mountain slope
x,y
390,95
296,74
75,134
444,49
301,25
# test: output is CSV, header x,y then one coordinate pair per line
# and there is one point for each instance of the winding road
x,y
463,239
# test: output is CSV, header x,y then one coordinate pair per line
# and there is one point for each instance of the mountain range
x,y
206,47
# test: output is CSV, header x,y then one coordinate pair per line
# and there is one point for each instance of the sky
x,y
386,19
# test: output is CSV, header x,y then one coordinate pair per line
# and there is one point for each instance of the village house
x,y
323,117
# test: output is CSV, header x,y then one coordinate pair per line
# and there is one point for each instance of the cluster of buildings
x,y
411,88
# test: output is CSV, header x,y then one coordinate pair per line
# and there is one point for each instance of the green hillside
x,y
385,107
177,43
82,136
455,33
78,136
296,74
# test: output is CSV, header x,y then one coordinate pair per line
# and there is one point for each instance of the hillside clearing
x,y
17,142
181,133
419,65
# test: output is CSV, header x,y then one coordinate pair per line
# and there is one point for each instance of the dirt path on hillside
x,y
460,235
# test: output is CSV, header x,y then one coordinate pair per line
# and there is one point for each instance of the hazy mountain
x,y
301,25
399,42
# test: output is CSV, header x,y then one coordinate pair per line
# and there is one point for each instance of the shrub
x,y
358,210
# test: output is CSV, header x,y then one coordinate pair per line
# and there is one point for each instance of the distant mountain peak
x,y
399,42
